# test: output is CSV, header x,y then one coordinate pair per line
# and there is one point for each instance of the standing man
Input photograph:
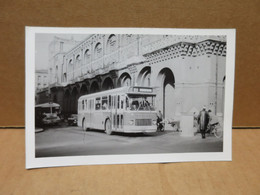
x,y
159,120
203,120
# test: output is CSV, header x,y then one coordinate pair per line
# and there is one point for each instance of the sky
x,y
42,42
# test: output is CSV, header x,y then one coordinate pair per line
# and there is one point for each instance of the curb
x,y
38,130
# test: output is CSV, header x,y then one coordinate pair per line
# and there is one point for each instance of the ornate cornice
x,y
184,49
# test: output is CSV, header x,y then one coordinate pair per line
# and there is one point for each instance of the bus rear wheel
x,y
108,129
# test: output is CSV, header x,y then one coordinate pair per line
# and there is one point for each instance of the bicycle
x,y
215,129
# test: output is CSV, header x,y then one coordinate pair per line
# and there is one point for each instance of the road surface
x,y
73,141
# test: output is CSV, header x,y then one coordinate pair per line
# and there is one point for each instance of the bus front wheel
x,y
108,129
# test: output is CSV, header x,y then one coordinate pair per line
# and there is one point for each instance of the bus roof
x,y
47,105
133,90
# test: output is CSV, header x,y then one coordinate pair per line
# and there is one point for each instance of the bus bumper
x,y
139,129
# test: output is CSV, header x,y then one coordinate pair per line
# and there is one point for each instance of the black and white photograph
x,y
128,95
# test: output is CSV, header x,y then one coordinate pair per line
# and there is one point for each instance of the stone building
x,y
41,79
186,72
57,49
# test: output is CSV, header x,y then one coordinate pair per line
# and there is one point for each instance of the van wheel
x,y
84,125
108,128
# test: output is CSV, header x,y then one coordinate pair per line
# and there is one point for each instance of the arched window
x,y
65,77
78,60
144,77
87,56
111,43
98,51
124,80
70,66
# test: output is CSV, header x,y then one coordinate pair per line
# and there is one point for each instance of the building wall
x,y
41,79
57,49
187,72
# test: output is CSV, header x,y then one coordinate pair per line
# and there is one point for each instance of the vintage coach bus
x,y
125,109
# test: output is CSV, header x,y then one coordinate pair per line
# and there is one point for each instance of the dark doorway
x,y
107,84
166,96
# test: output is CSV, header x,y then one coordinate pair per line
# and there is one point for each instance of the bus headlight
x,y
131,122
154,122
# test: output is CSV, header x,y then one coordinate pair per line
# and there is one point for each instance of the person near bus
x,y
159,120
147,104
203,120
104,106
213,120
134,105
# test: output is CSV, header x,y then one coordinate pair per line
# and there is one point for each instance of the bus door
x,y
114,112
117,112
90,112
121,112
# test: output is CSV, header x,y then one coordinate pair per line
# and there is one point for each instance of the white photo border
x,y
33,162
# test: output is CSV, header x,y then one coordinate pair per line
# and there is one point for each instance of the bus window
x,y
97,103
104,102
141,103
122,103
91,104
122,121
86,104
118,101
82,104
134,105
114,102
109,102
126,103
117,121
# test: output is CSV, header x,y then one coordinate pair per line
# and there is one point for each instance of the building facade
x,y
41,79
187,72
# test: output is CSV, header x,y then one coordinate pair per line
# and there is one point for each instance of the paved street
x,y
73,141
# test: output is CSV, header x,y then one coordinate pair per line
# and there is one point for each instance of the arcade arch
x,y
107,84
83,90
124,80
166,93
66,102
74,100
94,87
144,77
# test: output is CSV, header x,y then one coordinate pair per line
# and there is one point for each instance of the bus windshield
x,y
140,102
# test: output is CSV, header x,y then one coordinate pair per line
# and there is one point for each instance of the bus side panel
x,y
87,116
106,115
96,120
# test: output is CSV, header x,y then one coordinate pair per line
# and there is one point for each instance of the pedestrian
x,y
159,120
203,120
